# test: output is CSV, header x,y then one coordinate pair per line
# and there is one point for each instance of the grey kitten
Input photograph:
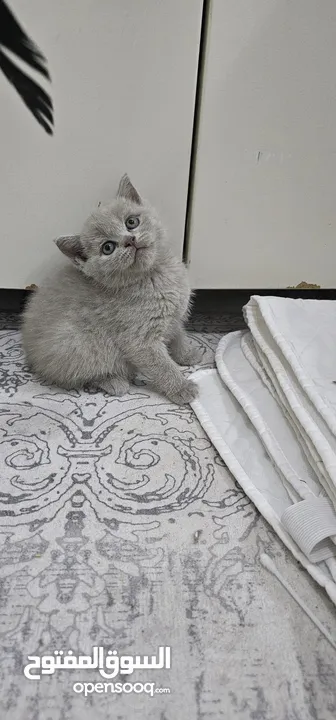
x,y
117,309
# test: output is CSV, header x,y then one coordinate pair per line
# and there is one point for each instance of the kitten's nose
x,y
130,241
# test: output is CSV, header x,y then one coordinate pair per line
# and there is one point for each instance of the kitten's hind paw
x,y
186,394
115,386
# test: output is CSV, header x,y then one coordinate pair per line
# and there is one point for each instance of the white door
x,y
124,78
264,206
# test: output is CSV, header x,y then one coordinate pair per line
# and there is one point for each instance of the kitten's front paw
x,y
115,386
194,356
187,393
188,356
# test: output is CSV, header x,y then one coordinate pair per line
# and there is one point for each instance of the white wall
x,y
124,75
264,211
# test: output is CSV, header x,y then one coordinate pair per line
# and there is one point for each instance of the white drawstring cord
x,y
268,563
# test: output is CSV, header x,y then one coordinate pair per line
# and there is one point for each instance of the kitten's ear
x,y
71,246
128,191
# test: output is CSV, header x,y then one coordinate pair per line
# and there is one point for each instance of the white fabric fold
x,y
270,409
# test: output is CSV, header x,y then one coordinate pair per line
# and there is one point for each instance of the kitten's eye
x,y
132,222
109,247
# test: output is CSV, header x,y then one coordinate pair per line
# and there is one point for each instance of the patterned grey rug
x,y
120,528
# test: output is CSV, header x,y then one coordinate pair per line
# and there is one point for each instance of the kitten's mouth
x,y
139,249
139,253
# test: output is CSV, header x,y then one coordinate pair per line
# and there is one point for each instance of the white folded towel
x,y
270,409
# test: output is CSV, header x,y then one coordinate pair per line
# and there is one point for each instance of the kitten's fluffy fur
x,y
106,317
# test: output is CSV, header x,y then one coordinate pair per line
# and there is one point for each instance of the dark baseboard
x,y
12,301
206,302
232,301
